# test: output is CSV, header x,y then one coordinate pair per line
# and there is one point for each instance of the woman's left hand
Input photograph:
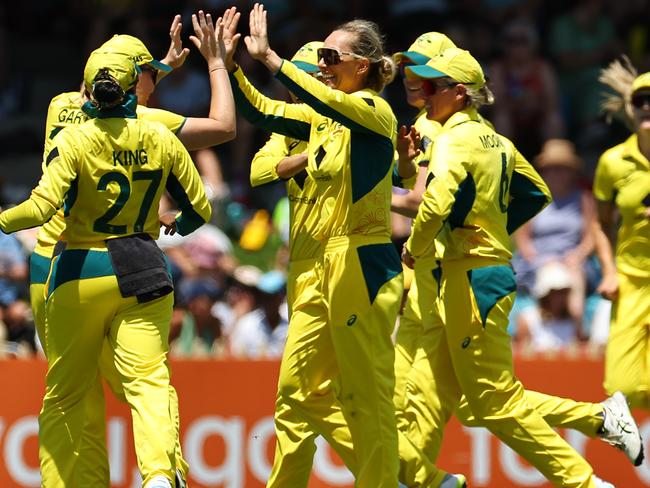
x,y
168,221
257,42
408,143
208,39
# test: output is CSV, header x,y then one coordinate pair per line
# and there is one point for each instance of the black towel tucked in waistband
x,y
140,267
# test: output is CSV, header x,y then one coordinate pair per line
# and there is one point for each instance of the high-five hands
x,y
209,39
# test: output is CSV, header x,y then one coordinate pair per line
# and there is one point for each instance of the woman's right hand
x,y
608,287
257,42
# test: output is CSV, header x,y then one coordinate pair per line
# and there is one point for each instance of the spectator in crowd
x,y
549,326
583,40
562,230
262,333
15,314
524,84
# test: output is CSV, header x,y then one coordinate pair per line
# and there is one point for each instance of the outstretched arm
x,y
220,125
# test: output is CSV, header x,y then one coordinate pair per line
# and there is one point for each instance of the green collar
x,y
127,110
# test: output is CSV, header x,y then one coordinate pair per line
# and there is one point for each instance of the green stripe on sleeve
x,y
189,220
526,201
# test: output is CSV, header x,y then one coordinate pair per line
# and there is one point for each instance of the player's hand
x,y
407,259
208,39
257,42
168,221
230,35
408,143
176,54
608,287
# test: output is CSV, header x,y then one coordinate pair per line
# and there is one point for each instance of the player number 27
x,y
103,223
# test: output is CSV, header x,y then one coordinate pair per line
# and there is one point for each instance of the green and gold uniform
x,y
108,174
623,179
295,445
422,403
467,214
92,466
351,141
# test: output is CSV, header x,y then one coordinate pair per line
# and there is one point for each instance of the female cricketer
x,y
111,280
351,135
65,110
422,407
464,214
622,188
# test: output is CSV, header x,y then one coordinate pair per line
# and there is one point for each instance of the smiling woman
x,y
347,314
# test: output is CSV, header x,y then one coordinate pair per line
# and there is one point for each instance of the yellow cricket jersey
x,y
108,174
479,190
301,193
351,143
623,178
64,111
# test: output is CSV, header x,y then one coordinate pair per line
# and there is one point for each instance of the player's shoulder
x,y
70,99
614,154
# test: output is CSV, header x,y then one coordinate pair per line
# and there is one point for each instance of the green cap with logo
x,y
133,48
641,82
425,47
454,63
121,68
306,58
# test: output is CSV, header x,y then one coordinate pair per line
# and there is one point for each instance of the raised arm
x,y
220,124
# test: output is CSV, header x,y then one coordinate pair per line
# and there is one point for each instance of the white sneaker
x,y
158,482
454,481
602,484
619,428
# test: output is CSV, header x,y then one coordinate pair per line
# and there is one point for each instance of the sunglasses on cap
x,y
640,100
430,87
332,56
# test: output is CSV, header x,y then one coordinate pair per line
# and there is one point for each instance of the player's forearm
x,y
291,166
406,205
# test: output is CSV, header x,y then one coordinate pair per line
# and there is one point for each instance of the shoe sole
x,y
639,459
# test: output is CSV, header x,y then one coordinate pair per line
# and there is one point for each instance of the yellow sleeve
x,y
529,194
58,175
290,119
440,194
362,111
603,180
172,121
265,162
185,186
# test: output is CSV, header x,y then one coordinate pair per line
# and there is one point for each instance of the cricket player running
x,y
464,214
351,135
422,405
65,110
622,189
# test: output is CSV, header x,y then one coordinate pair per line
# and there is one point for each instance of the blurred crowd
x,y
543,60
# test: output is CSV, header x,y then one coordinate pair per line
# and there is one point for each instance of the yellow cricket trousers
x,y
84,309
476,296
340,358
306,405
627,359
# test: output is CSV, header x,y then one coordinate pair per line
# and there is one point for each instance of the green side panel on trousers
x,y
490,284
380,263
39,268
78,264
